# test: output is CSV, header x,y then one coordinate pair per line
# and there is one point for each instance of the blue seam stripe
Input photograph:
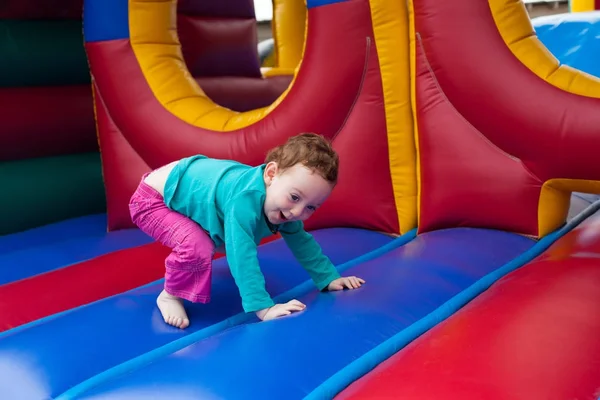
x,y
362,365
318,3
237,319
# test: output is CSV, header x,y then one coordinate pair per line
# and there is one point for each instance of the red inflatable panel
x,y
554,132
41,9
337,93
465,179
228,47
116,155
46,121
532,335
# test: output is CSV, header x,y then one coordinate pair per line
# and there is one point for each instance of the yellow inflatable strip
x,y
289,23
390,26
412,39
555,198
153,36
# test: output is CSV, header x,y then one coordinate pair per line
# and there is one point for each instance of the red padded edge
x,y
217,8
554,132
244,94
219,47
80,284
532,335
46,121
122,167
465,179
324,99
41,9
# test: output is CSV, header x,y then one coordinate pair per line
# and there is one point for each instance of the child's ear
x,y
270,171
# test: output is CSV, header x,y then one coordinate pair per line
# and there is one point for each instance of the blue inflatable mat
x,y
291,357
49,357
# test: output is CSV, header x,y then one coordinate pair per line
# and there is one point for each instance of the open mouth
x,y
282,216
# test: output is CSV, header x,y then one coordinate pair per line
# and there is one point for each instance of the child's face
x,y
293,194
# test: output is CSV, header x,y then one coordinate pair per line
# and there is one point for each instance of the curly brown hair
x,y
310,149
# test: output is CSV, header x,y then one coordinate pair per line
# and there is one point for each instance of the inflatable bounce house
x,y
466,199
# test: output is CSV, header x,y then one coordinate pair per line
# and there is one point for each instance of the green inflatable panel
x,y
40,191
42,53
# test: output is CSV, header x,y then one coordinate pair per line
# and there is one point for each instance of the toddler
x,y
198,204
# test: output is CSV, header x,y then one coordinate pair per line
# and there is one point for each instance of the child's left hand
x,y
351,282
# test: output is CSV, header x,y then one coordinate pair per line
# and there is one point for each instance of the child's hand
x,y
279,310
351,282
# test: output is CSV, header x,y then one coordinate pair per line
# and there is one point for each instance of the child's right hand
x,y
279,310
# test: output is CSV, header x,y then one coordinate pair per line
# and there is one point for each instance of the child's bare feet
x,y
172,310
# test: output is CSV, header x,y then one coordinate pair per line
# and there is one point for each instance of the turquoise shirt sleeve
x,y
240,219
309,254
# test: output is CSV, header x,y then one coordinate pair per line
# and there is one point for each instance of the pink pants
x,y
189,266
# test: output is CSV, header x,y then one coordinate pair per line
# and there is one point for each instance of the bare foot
x,y
172,310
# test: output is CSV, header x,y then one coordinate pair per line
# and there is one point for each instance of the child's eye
x,y
311,208
295,198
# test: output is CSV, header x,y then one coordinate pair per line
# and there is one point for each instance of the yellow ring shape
x,y
154,40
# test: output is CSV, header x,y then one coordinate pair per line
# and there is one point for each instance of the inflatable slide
x,y
461,142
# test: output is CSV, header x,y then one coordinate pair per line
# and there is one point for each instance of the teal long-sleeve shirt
x,y
226,198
